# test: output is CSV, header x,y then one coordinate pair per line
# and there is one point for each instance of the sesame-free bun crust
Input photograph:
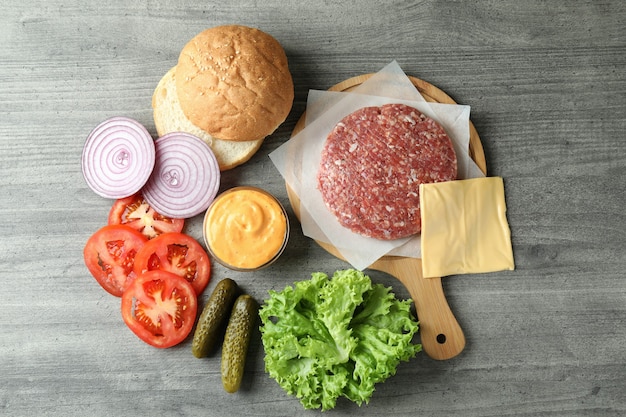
x,y
234,83
169,117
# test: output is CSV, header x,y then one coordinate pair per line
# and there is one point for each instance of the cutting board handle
x,y
441,335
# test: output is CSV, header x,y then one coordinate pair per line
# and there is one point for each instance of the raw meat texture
x,y
372,164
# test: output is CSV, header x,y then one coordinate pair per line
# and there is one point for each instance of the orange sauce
x,y
245,228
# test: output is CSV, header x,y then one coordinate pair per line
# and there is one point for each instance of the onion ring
x,y
186,176
118,157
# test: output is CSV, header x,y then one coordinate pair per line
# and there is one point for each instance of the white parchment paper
x,y
298,159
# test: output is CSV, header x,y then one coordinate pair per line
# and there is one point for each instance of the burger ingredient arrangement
x,y
159,280
324,338
230,89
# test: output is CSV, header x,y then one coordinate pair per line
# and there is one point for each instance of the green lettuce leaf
x,y
327,338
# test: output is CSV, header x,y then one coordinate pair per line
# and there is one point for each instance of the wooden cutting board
x,y
440,333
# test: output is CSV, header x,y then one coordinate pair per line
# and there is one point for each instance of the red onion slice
x,y
118,157
186,176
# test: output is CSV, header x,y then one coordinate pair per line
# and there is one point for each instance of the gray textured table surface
x,y
546,83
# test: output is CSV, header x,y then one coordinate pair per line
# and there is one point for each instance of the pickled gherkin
x,y
214,318
236,340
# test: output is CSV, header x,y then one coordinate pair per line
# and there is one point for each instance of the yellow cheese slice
x,y
464,227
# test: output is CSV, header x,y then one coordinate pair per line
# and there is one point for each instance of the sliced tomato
x,y
135,212
160,308
178,253
110,256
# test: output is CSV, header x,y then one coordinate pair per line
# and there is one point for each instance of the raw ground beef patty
x,y
372,164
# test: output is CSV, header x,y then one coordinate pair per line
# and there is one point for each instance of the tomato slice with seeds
x,y
109,255
134,211
178,253
160,308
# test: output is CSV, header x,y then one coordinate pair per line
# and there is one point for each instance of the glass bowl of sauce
x,y
246,228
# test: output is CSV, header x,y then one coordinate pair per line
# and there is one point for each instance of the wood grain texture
x,y
547,90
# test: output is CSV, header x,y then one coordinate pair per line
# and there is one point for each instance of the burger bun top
x,y
233,82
